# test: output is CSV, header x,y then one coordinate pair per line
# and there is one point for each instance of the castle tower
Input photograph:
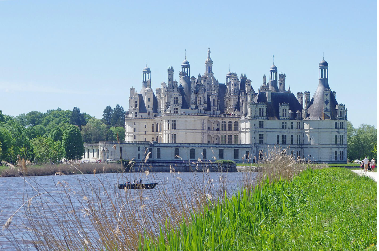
x,y
324,72
208,64
186,66
282,82
185,81
146,78
170,77
273,84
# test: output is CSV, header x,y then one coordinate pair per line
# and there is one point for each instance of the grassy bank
x,y
325,209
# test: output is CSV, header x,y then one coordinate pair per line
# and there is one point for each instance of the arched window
x,y
236,126
230,125
223,126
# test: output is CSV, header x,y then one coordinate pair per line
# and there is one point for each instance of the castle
x,y
229,120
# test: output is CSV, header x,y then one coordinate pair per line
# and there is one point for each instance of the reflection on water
x,y
48,192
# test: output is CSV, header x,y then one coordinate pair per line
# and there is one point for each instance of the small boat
x,y
137,186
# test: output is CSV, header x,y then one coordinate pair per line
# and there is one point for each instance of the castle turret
x,y
146,78
273,84
282,82
208,64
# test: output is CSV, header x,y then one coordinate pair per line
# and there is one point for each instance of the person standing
x,y
372,164
365,162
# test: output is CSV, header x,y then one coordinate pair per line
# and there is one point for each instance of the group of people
x,y
136,182
368,165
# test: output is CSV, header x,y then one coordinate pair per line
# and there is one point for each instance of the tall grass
x,y
98,216
327,209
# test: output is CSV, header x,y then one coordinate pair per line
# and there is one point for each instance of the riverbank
x,y
115,167
325,209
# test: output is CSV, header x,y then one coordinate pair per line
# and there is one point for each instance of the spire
x,y
322,55
273,60
209,53
185,54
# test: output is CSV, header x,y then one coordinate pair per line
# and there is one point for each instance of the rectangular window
x,y
93,152
235,139
176,110
139,156
135,104
223,126
148,99
204,153
291,139
158,153
335,125
230,138
192,153
341,139
177,153
277,139
291,125
284,113
236,153
341,155
223,139
284,125
335,139
151,153
120,153
260,138
341,125
284,139
173,138
168,124
152,127
135,115
298,126
221,153
174,125
261,112
260,124
335,155
176,100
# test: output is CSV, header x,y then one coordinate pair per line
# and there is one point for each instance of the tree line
x,y
361,142
57,134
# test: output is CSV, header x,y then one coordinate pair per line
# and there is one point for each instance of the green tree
x,y
94,131
77,118
361,142
107,115
118,133
56,134
73,143
118,116
35,131
46,150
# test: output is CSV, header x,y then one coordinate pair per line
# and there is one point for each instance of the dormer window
x,y
176,100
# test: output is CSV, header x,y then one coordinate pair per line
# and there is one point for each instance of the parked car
x,y
357,161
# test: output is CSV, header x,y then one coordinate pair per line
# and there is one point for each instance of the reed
x,y
97,216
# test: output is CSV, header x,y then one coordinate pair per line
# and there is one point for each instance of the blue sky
x,y
89,53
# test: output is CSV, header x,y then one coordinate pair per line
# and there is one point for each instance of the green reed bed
x,y
324,209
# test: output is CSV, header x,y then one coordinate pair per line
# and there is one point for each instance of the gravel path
x,y
372,175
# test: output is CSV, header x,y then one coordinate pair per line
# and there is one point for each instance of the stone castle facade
x,y
232,120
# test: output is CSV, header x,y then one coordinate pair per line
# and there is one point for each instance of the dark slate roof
x,y
323,63
221,96
155,104
279,98
316,106
184,102
142,107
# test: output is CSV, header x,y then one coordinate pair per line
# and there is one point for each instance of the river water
x,y
46,195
